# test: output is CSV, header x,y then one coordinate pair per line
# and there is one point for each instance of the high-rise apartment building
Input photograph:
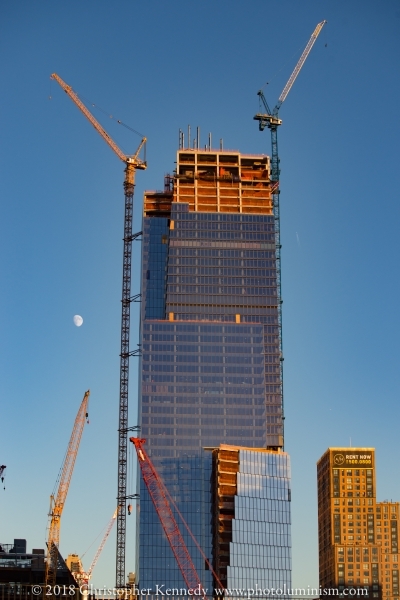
x,y
210,339
358,536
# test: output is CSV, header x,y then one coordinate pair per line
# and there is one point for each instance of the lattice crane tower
x,y
131,164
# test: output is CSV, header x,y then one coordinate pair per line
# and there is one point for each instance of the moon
x,y
78,320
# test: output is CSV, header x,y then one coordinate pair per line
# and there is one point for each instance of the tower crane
x,y
159,496
131,164
57,499
271,120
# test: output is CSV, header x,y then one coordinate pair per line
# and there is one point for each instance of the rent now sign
x,y
354,459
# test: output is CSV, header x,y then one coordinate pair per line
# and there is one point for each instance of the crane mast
x,y
131,164
57,500
271,120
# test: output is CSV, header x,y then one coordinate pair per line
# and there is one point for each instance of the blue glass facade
x,y
210,365
260,551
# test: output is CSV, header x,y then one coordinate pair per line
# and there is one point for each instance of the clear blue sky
x,y
159,66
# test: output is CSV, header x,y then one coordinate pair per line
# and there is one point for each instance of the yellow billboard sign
x,y
352,459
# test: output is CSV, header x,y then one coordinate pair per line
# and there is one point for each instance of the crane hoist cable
x,y
270,118
105,112
281,68
132,163
57,499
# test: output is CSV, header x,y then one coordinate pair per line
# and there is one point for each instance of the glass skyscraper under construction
x,y
211,352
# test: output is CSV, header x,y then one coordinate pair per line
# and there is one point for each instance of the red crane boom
x,y
167,519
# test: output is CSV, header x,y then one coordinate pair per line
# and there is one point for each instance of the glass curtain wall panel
x,y
260,551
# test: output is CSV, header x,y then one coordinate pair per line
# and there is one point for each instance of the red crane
x,y
159,495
